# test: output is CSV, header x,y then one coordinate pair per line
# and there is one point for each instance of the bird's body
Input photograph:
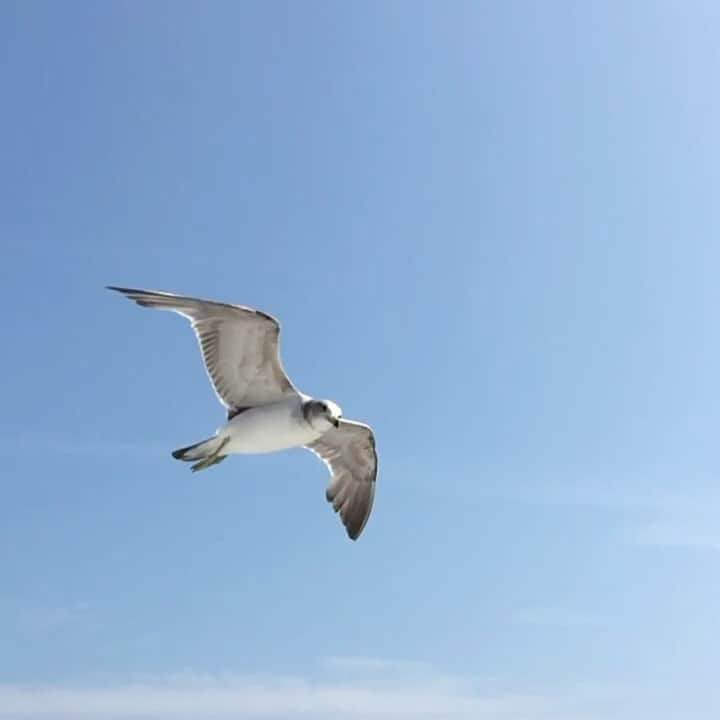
x,y
265,412
268,428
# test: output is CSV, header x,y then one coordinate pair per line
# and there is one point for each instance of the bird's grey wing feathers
x,y
350,454
240,347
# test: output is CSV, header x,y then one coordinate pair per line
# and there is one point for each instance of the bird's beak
x,y
336,422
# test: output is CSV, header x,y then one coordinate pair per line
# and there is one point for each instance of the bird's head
x,y
322,414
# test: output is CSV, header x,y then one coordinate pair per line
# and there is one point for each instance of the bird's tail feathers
x,y
199,451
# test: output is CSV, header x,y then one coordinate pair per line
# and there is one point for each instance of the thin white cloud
x,y
653,518
363,664
626,495
557,617
384,673
695,536
74,446
47,619
242,697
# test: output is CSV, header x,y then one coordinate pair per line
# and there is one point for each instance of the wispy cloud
x,y
409,696
370,667
625,495
556,617
79,446
679,535
48,619
657,518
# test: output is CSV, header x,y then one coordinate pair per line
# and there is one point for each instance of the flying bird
x,y
265,411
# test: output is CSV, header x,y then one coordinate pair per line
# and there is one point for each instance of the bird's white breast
x,y
268,428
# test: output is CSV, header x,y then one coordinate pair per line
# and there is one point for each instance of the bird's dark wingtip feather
x,y
122,290
132,294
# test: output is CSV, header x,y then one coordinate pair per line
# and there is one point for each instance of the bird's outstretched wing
x,y
240,347
350,454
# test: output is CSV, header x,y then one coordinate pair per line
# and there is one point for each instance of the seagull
x,y
265,411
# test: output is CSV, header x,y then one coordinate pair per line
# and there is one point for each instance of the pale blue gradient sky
x,y
490,230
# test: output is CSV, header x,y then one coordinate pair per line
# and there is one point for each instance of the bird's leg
x,y
213,459
208,462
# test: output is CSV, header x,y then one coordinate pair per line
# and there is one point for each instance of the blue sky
x,y
490,231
